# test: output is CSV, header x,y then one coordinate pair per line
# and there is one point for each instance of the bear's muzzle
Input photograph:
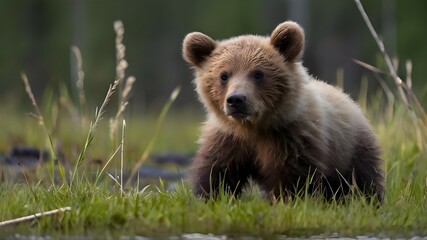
x,y
237,106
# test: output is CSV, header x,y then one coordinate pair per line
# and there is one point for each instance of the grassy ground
x,y
101,208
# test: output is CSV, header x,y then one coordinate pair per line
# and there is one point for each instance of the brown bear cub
x,y
270,121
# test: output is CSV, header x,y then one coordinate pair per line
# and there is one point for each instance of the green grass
x,y
101,209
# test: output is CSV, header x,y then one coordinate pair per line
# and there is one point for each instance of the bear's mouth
x,y
238,114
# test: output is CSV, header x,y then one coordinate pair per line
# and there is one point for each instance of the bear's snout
x,y
236,100
236,105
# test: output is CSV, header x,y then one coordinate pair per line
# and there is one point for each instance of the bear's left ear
x,y
197,47
288,39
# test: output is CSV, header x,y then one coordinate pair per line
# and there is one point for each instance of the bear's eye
x,y
223,76
258,75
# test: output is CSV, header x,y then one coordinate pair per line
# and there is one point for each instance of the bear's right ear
x,y
197,47
288,39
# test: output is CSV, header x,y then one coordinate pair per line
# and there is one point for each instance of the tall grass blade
x,y
122,155
106,164
160,120
98,116
41,121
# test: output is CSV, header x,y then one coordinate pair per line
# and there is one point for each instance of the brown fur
x,y
270,121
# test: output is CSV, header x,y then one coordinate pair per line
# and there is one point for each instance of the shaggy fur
x,y
268,120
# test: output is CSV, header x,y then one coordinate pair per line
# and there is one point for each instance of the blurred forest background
x,y
36,38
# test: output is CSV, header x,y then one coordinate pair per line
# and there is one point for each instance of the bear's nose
x,y
236,100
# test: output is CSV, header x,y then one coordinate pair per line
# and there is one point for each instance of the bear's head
x,y
247,79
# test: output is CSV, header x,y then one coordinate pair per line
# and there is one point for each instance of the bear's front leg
x,y
221,164
208,180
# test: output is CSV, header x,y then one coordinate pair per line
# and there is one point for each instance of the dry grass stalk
x,y
417,121
403,88
122,156
340,79
38,115
363,93
125,97
121,63
80,75
30,94
409,73
34,216
125,87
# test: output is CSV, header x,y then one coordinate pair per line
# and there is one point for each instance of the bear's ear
x,y
288,39
197,47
